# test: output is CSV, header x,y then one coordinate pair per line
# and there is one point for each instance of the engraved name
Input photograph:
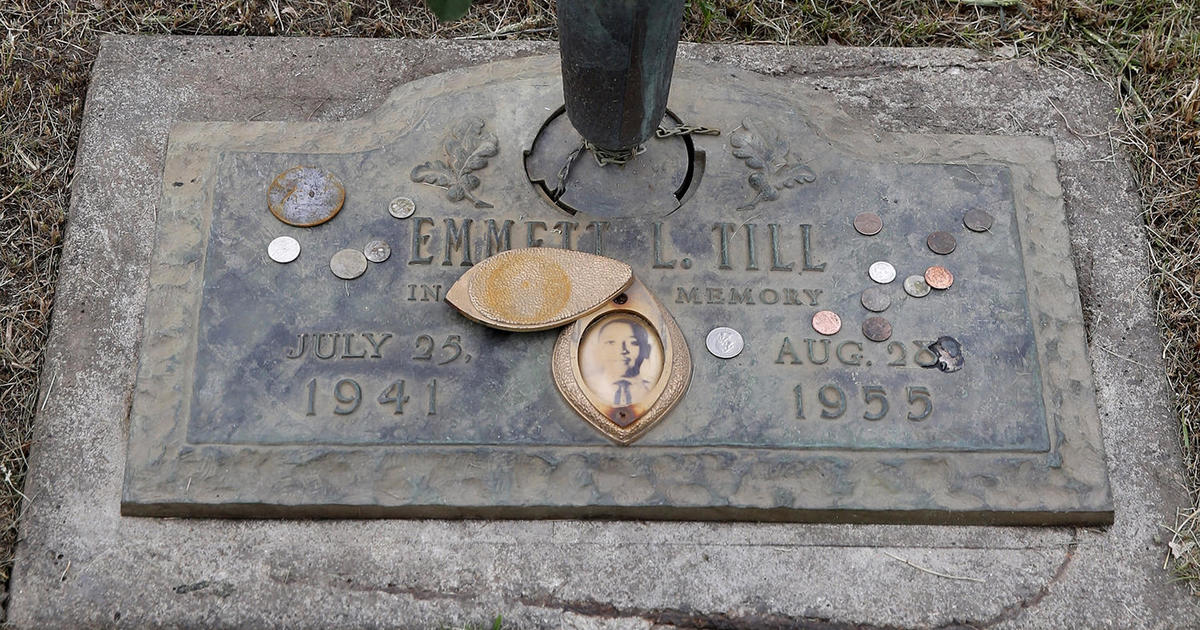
x,y
463,241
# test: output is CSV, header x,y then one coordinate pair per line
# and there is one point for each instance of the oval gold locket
x,y
621,362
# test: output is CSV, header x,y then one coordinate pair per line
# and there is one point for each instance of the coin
x,y
348,264
916,286
305,196
941,242
377,251
977,220
284,249
877,329
826,322
724,342
402,207
882,272
868,223
939,277
876,299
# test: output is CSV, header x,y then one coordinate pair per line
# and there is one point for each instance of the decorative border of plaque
x,y
169,475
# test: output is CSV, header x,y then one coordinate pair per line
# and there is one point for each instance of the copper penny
x,y
941,242
826,322
939,277
868,223
977,220
877,329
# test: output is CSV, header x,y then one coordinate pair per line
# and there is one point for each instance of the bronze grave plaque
x,y
269,389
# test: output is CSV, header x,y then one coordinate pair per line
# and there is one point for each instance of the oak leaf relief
x,y
467,149
765,151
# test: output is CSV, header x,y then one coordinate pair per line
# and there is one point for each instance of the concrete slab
x,y
81,563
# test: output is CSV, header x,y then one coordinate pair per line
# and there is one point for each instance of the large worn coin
x,y
939,277
941,242
377,251
305,196
724,342
876,299
868,223
977,220
348,264
882,272
877,329
402,207
284,249
916,286
826,322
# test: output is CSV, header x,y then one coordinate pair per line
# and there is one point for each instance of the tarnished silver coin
x,y
941,242
305,196
402,207
978,220
882,272
377,251
877,329
348,264
876,299
916,286
284,249
724,342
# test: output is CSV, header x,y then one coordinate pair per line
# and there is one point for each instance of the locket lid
x,y
537,288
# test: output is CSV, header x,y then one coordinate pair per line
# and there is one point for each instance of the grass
x,y
1149,51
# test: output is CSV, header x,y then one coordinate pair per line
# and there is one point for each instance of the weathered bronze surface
x,y
655,183
269,390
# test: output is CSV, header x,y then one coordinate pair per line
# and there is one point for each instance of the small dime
x,y
939,277
916,286
877,329
305,196
377,251
977,220
826,322
868,223
876,299
882,272
724,342
284,249
941,242
348,264
402,207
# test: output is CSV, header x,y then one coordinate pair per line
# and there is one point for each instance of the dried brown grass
x,y
1148,50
